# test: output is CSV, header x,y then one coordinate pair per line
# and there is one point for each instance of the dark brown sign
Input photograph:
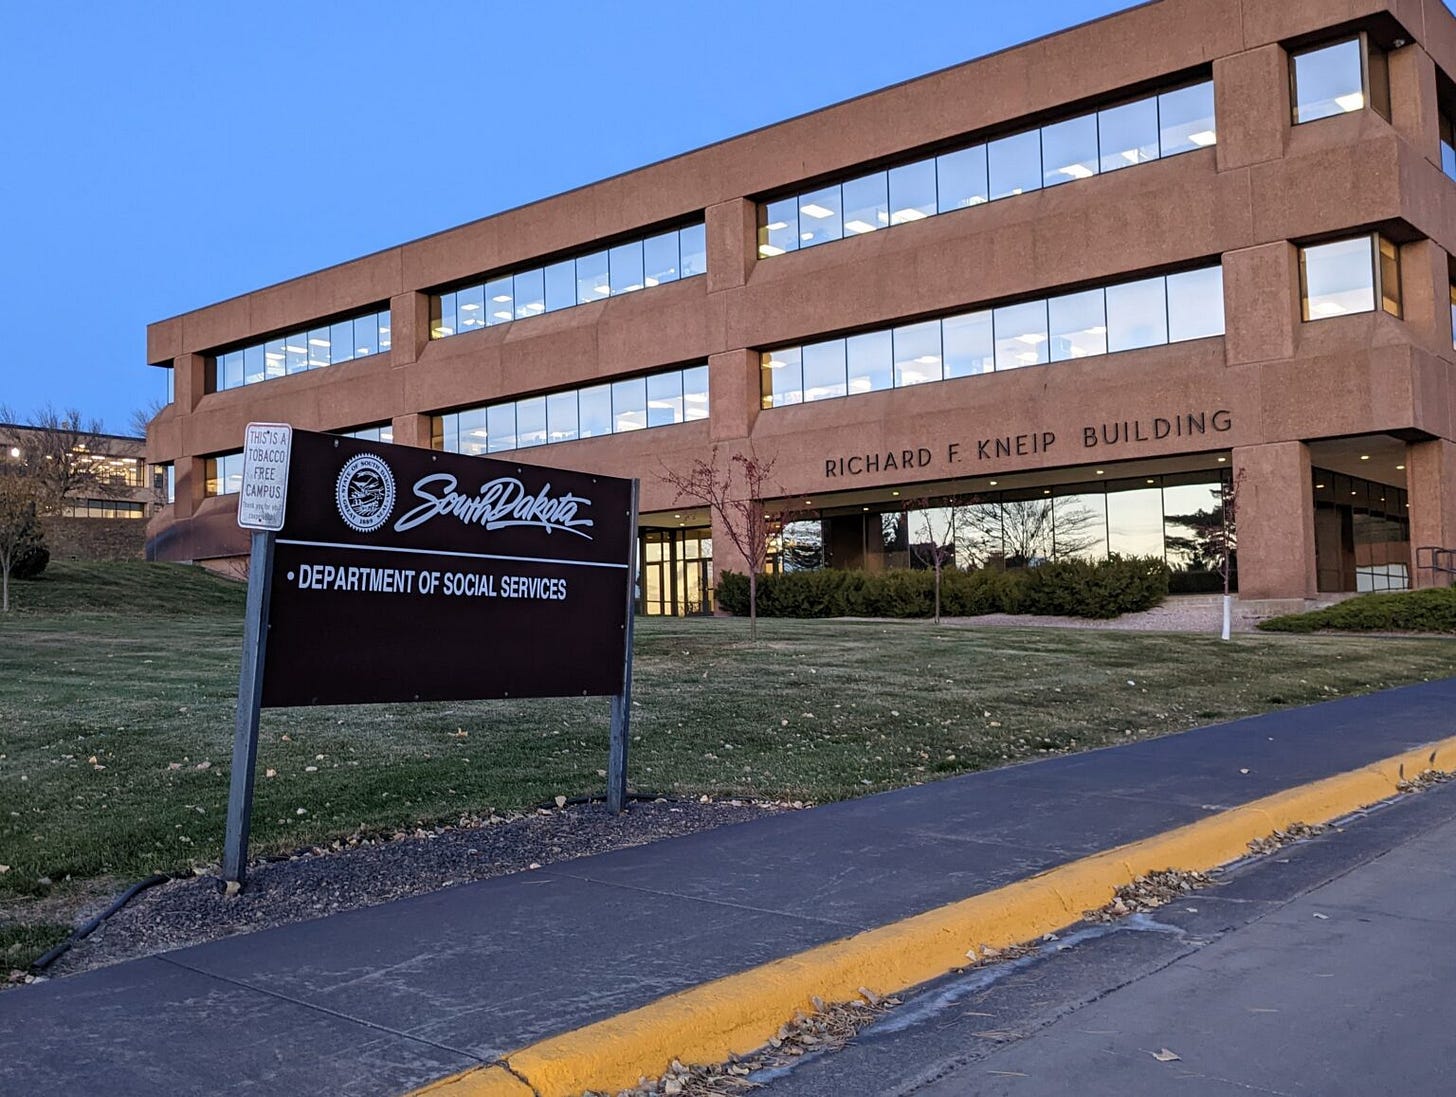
x,y
405,574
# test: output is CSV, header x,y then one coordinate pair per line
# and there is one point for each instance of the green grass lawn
x,y
118,683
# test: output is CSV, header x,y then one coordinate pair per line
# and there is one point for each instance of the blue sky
x,y
163,156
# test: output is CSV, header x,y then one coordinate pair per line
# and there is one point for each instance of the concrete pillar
x,y
1431,481
1425,290
409,327
734,394
1261,299
189,481
1275,521
1251,104
189,381
412,430
732,234
1414,108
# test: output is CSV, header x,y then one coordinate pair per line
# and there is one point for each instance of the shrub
x,y
1429,610
1106,588
31,555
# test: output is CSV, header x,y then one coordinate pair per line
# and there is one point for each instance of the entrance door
x,y
677,572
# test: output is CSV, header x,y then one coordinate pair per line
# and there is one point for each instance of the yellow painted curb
x,y
739,1013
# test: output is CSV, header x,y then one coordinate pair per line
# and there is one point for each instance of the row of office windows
x,y
325,345
1147,312
103,508
1349,276
656,400
1118,137
626,268
223,474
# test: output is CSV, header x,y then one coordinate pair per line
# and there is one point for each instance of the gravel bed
x,y
1196,613
362,872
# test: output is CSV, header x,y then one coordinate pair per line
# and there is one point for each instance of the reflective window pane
x,y
1135,522
629,405
664,399
1078,324
560,285
1389,276
499,301
824,370
442,317
970,346
1021,335
366,336
866,204
917,353
561,417
531,422
273,358
472,432
912,192
961,179
1195,304
318,347
819,217
1192,520
500,424
625,263
783,376
1338,278
529,290
295,352
660,259
870,362
1327,81
341,341
780,230
593,279
1079,525
1069,150
695,393
693,244
1185,119
595,411
230,370
254,364
1013,164
470,308
1137,315
1128,134
383,328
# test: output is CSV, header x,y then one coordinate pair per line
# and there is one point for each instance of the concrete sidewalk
x,y
387,998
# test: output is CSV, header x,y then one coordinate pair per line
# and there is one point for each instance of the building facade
x,y
1031,305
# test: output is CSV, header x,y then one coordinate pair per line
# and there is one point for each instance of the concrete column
x,y
412,430
1261,301
1275,521
734,394
1251,104
409,327
1414,110
189,381
189,480
1431,480
1425,290
732,234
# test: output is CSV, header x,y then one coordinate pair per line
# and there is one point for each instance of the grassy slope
x,y
118,682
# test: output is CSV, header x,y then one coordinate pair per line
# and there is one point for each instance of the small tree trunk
x,y
937,591
752,604
5,585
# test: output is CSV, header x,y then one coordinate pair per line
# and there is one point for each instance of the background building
x,y
1081,288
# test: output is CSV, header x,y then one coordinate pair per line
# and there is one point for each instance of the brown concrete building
x,y
1075,298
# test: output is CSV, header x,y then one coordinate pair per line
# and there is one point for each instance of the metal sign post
x,y
250,696
622,702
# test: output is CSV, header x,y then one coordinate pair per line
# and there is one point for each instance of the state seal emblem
x,y
365,492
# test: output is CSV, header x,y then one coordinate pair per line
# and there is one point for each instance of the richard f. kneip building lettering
x,y
1099,361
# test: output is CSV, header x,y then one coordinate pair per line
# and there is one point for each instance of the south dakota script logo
x,y
498,503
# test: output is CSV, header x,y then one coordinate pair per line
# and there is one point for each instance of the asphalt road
x,y
1326,969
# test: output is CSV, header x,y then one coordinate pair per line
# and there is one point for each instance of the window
x,y
1014,164
301,350
1185,120
819,217
1339,78
171,384
783,372
1069,150
1448,147
1137,314
870,362
384,432
1453,317
1078,325
1128,134
917,354
1021,335
1349,276
223,474
961,179
866,204
912,192
824,371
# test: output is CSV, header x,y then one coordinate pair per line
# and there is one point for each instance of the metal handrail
x,y
1438,561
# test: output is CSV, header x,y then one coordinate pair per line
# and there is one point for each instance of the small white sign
x,y
264,495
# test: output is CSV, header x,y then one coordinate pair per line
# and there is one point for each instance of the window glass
x,y
1069,150
824,370
693,243
970,347
1135,522
1453,317
253,364
1137,315
660,259
595,411
1192,516
870,362
1448,146
499,301
1128,134
531,422
664,399
560,285
442,319
341,342
629,404
1185,119
1327,81
819,217
171,384
529,291
783,374
500,425
780,230
1195,304
273,358
695,393
1339,278
561,417
912,192
470,308
625,262
1389,276
917,353
1014,164
961,179
382,320
471,427
1078,325
1021,335
866,204
1079,525
230,370
593,278
366,336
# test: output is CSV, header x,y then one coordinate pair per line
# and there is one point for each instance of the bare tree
x,y
62,456
17,518
142,417
932,535
1027,530
733,492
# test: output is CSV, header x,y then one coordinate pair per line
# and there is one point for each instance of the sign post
x,y
622,702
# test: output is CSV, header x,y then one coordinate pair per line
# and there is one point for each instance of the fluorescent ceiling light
x,y
696,398
900,216
469,308
1132,156
602,289
320,342
1030,337
1350,101
499,297
806,236
858,226
1077,171
1327,308
1203,138
814,209
774,363
775,226
536,306
650,281
929,359
501,315
766,251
